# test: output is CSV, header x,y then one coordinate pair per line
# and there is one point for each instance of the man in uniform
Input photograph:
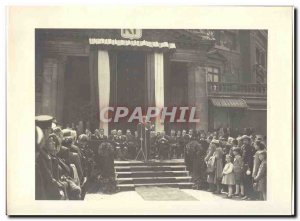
x,y
187,157
179,148
173,144
130,143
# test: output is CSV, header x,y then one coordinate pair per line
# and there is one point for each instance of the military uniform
x,y
187,154
173,145
130,143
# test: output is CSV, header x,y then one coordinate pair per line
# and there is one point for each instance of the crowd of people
x,y
68,164
74,160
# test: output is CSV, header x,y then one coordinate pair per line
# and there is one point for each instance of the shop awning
x,y
229,102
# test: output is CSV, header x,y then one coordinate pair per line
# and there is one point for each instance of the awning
x,y
229,102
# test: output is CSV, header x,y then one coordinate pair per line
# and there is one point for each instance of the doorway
x,y
128,83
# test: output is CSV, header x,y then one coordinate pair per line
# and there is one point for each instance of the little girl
x,y
228,175
238,166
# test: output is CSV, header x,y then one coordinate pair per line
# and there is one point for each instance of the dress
x,y
228,178
238,169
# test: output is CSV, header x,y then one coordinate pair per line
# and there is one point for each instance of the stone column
x,y
49,93
61,89
159,86
103,85
155,84
197,94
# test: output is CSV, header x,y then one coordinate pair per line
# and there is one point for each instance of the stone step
x,y
128,187
150,168
152,162
148,180
131,174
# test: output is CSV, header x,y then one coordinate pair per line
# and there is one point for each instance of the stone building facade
x,y
220,72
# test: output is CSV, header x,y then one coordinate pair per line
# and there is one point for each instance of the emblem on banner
x,y
131,33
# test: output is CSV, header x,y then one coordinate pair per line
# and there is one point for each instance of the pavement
x,y
200,195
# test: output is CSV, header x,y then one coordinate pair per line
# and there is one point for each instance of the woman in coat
x,y
199,166
210,161
261,178
219,168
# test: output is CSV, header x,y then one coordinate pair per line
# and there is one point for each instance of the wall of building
x,y
239,118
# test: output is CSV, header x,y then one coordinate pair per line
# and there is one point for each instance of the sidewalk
x,y
136,197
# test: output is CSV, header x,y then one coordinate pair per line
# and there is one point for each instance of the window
x,y
260,66
260,57
213,74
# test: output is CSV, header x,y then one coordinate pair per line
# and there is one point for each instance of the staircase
x,y
171,173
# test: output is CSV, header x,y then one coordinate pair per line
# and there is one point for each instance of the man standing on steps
x,y
173,144
144,128
163,146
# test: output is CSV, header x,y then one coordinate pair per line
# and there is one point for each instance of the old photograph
x,y
151,114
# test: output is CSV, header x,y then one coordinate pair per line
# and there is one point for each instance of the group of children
x,y
237,167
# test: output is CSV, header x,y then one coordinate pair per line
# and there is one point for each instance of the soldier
x,y
247,155
173,144
186,140
130,143
181,143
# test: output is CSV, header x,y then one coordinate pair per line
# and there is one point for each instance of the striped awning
x,y
229,102
135,43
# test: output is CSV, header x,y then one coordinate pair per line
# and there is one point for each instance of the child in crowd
x,y
228,175
238,172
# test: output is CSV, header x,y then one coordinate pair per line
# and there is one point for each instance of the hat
x,y
215,141
67,132
43,121
83,138
245,137
230,140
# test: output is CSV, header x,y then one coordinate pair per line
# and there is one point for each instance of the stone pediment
x,y
216,55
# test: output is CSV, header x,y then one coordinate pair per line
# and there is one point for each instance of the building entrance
x,y
128,85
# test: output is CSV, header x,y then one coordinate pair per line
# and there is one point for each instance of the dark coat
x,y
261,177
47,169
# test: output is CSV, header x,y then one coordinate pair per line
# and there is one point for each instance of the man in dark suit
x,y
163,146
102,137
